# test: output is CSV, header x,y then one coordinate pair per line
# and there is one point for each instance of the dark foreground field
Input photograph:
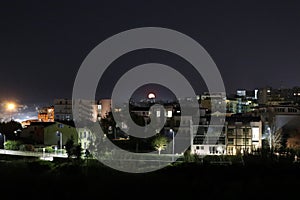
x,y
33,179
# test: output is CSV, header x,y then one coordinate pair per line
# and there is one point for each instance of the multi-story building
x,y
63,110
240,105
244,134
216,99
208,140
90,110
104,107
243,101
49,133
46,114
277,122
87,110
283,96
239,134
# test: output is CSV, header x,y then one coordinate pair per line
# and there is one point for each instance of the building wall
x,y
34,132
208,142
237,137
105,107
87,110
243,137
217,99
46,114
63,109
51,137
85,137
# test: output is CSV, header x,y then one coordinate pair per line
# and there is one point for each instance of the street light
x,y
173,144
4,138
58,133
11,106
44,150
270,137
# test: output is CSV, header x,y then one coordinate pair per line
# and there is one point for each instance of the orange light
x,y
11,106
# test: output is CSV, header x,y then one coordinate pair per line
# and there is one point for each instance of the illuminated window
x,y
169,113
255,133
158,113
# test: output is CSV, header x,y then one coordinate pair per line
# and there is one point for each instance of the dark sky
x,y
42,44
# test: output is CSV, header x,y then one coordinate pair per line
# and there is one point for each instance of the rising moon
x,y
151,95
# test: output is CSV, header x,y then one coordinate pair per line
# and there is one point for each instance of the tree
x,y
69,146
293,142
273,136
77,151
10,129
73,150
159,143
276,139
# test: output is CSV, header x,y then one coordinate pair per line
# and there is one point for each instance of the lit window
x,y
158,113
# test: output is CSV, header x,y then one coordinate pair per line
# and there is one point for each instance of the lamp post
x,y
4,138
173,144
270,137
60,139
58,133
44,150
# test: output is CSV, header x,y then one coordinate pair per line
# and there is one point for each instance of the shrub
x,y
12,145
49,149
26,147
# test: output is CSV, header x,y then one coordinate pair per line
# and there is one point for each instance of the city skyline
x,y
98,98
254,44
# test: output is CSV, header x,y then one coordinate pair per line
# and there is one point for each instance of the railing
x,y
31,153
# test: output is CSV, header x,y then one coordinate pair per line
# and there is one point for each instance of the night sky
x,y
42,45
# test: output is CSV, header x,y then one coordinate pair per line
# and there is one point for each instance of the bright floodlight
x,y
11,106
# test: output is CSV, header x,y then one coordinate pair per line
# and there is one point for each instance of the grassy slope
x,y
50,180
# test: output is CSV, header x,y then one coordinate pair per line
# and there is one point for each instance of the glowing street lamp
x,y
11,106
